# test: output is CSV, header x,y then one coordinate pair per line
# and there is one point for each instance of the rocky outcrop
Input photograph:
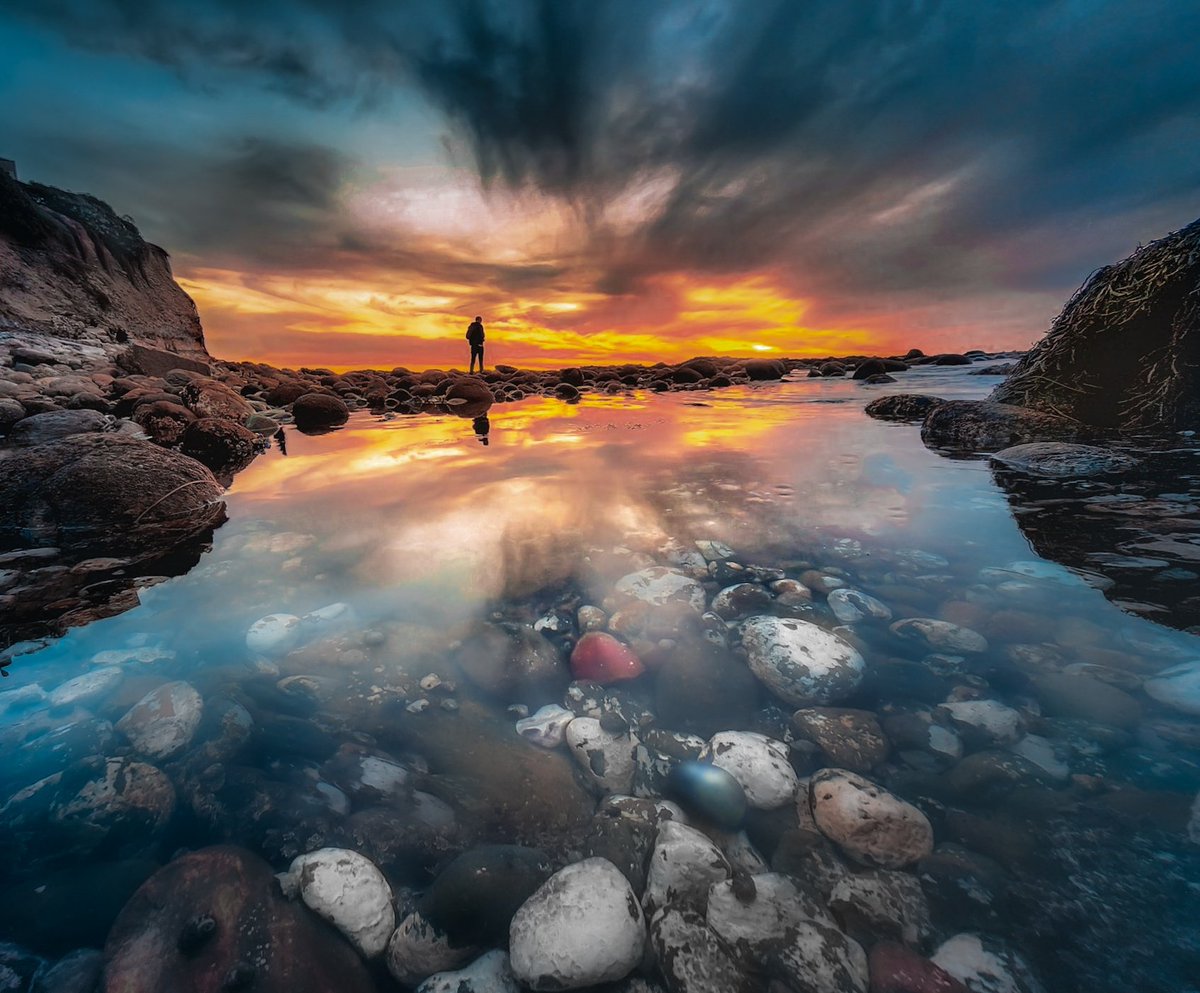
x,y
1125,350
72,269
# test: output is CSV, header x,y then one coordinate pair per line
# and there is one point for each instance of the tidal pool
x,y
346,667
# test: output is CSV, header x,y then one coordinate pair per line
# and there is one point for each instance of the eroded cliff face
x,y
71,269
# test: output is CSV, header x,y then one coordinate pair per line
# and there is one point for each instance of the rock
x,y
1059,460
849,739
77,972
273,635
367,777
606,758
902,407
418,950
819,957
490,973
867,822
163,722
896,969
764,369
90,686
213,919
582,927
851,606
56,424
660,587
683,865
130,800
754,925
106,490
347,890
11,411
984,426
740,599
984,966
1178,687
547,726
880,904
600,658
709,792
658,753
987,721
1087,699
513,663
159,362
163,421
473,899
470,391
799,662
209,398
701,689
624,831
318,412
940,636
691,958
1041,753
219,443
760,764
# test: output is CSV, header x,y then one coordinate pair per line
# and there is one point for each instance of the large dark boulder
x,y
105,490
289,391
902,407
57,424
209,398
218,443
158,362
983,426
764,369
319,412
214,920
163,420
1125,350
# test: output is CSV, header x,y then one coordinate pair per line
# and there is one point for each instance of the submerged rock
x,y
490,973
547,726
418,950
1059,460
600,658
983,426
163,722
867,822
691,958
606,758
941,636
799,662
760,764
896,969
683,865
849,739
985,966
349,891
1178,687
660,587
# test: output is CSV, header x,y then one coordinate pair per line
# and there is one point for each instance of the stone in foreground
x,y
870,824
801,663
349,891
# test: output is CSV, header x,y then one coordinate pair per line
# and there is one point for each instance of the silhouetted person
x,y
475,337
482,426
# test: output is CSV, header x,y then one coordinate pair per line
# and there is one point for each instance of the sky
x,y
346,183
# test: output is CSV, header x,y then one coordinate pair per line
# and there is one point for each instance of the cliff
x,y
71,269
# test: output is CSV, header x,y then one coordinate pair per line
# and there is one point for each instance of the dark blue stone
x,y
708,792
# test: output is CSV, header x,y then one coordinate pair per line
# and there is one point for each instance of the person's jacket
x,y
475,333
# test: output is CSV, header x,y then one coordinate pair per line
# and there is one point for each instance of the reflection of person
x,y
475,337
482,426
281,441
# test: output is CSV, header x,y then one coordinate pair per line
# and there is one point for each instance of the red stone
x,y
600,658
896,969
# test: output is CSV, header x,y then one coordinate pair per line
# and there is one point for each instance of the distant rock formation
x,y
71,269
1125,350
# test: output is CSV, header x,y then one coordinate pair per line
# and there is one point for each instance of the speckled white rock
x,y
418,950
884,903
759,763
87,687
801,663
1178,687
1039,751
590,618
275,634
683,865
851,606
826,958
779,906
490,973
714,551
985,966
349,891
867,822
941,636
606,759
690,956
583,926
329,615
163,722
999,724
654,765
658,586
547,726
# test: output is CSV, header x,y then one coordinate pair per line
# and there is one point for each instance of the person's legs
x,y
481,358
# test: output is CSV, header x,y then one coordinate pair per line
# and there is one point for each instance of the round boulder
x,y
870,824
319,412
760,764
218,443
799,662
55,424
349,891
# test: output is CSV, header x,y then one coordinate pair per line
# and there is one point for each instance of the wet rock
x,y
964,886
624,831
90,686
273,635
760,764
691,958
582,927
57,424
1178,687
896,969
1087,699
984,966
701,689
801,663
984,426
819,957
367,777
599,658
208,398
606,758
764,369
661,587
490,973
1063,461
1044,756
418,950
78,972
709,792
756,921
985,722
513,663
319,411
163,722
849,739
347,890
473,899
867,822
256,933
129,800
547,726
219,443
940,636
902,407
880,904
683,865
658,753
740,599
851,606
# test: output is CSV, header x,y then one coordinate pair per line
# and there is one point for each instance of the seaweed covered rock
x,y
1125,350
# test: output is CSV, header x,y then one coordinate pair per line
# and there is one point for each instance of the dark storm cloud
x,y
898,145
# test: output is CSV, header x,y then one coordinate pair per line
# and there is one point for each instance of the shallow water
x,y
418,532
